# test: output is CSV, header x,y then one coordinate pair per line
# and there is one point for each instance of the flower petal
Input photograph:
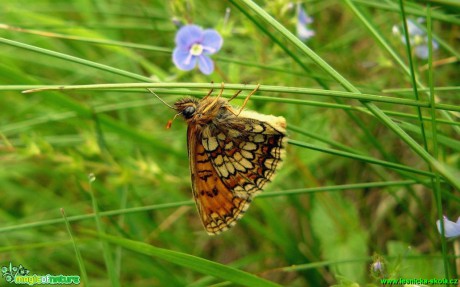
x,y
183,59
212,41
421,51
205,64
188,35
302,21
451,229
303,32
435,44
413,29
302,16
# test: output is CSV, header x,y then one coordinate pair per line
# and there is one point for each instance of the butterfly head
x,y
186,107
200,112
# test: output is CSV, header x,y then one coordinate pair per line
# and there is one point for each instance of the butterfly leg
x,y
216,99
235,95
244,103
210,92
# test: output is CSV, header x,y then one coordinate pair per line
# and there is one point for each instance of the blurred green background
x,y
364,180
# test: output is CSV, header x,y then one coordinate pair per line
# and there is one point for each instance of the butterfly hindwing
x,y
246,152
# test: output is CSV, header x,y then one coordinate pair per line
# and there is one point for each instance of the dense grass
x,y
93,184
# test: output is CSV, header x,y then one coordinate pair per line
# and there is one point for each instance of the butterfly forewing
x,y
231,158
217,205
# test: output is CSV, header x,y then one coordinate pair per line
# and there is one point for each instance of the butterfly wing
x,y
246,150
217,205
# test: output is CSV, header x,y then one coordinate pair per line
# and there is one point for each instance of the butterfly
x,y
232,153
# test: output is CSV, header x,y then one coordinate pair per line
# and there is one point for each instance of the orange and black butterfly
x,y
232,154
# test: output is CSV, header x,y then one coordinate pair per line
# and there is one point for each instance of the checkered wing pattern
x,y
217,205
233,162
232,156
246,152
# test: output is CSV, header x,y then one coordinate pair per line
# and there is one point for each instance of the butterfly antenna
x,y
168,105
169,124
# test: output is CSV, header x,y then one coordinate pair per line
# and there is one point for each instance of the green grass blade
x,y
262,88
198,264
385,45
449,174
412,72
360,157
434,131
108,258
81,264
75,60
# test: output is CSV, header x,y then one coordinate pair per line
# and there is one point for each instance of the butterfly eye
x,y
188,112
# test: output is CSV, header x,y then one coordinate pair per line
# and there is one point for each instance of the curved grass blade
x,y
198,264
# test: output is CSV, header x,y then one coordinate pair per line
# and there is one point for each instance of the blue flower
x,y
302,21
417,38
377,267
193,46
451,229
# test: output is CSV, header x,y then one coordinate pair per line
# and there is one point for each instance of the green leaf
x,y
336,223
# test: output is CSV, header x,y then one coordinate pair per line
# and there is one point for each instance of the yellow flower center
x,y
418,40
196,50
